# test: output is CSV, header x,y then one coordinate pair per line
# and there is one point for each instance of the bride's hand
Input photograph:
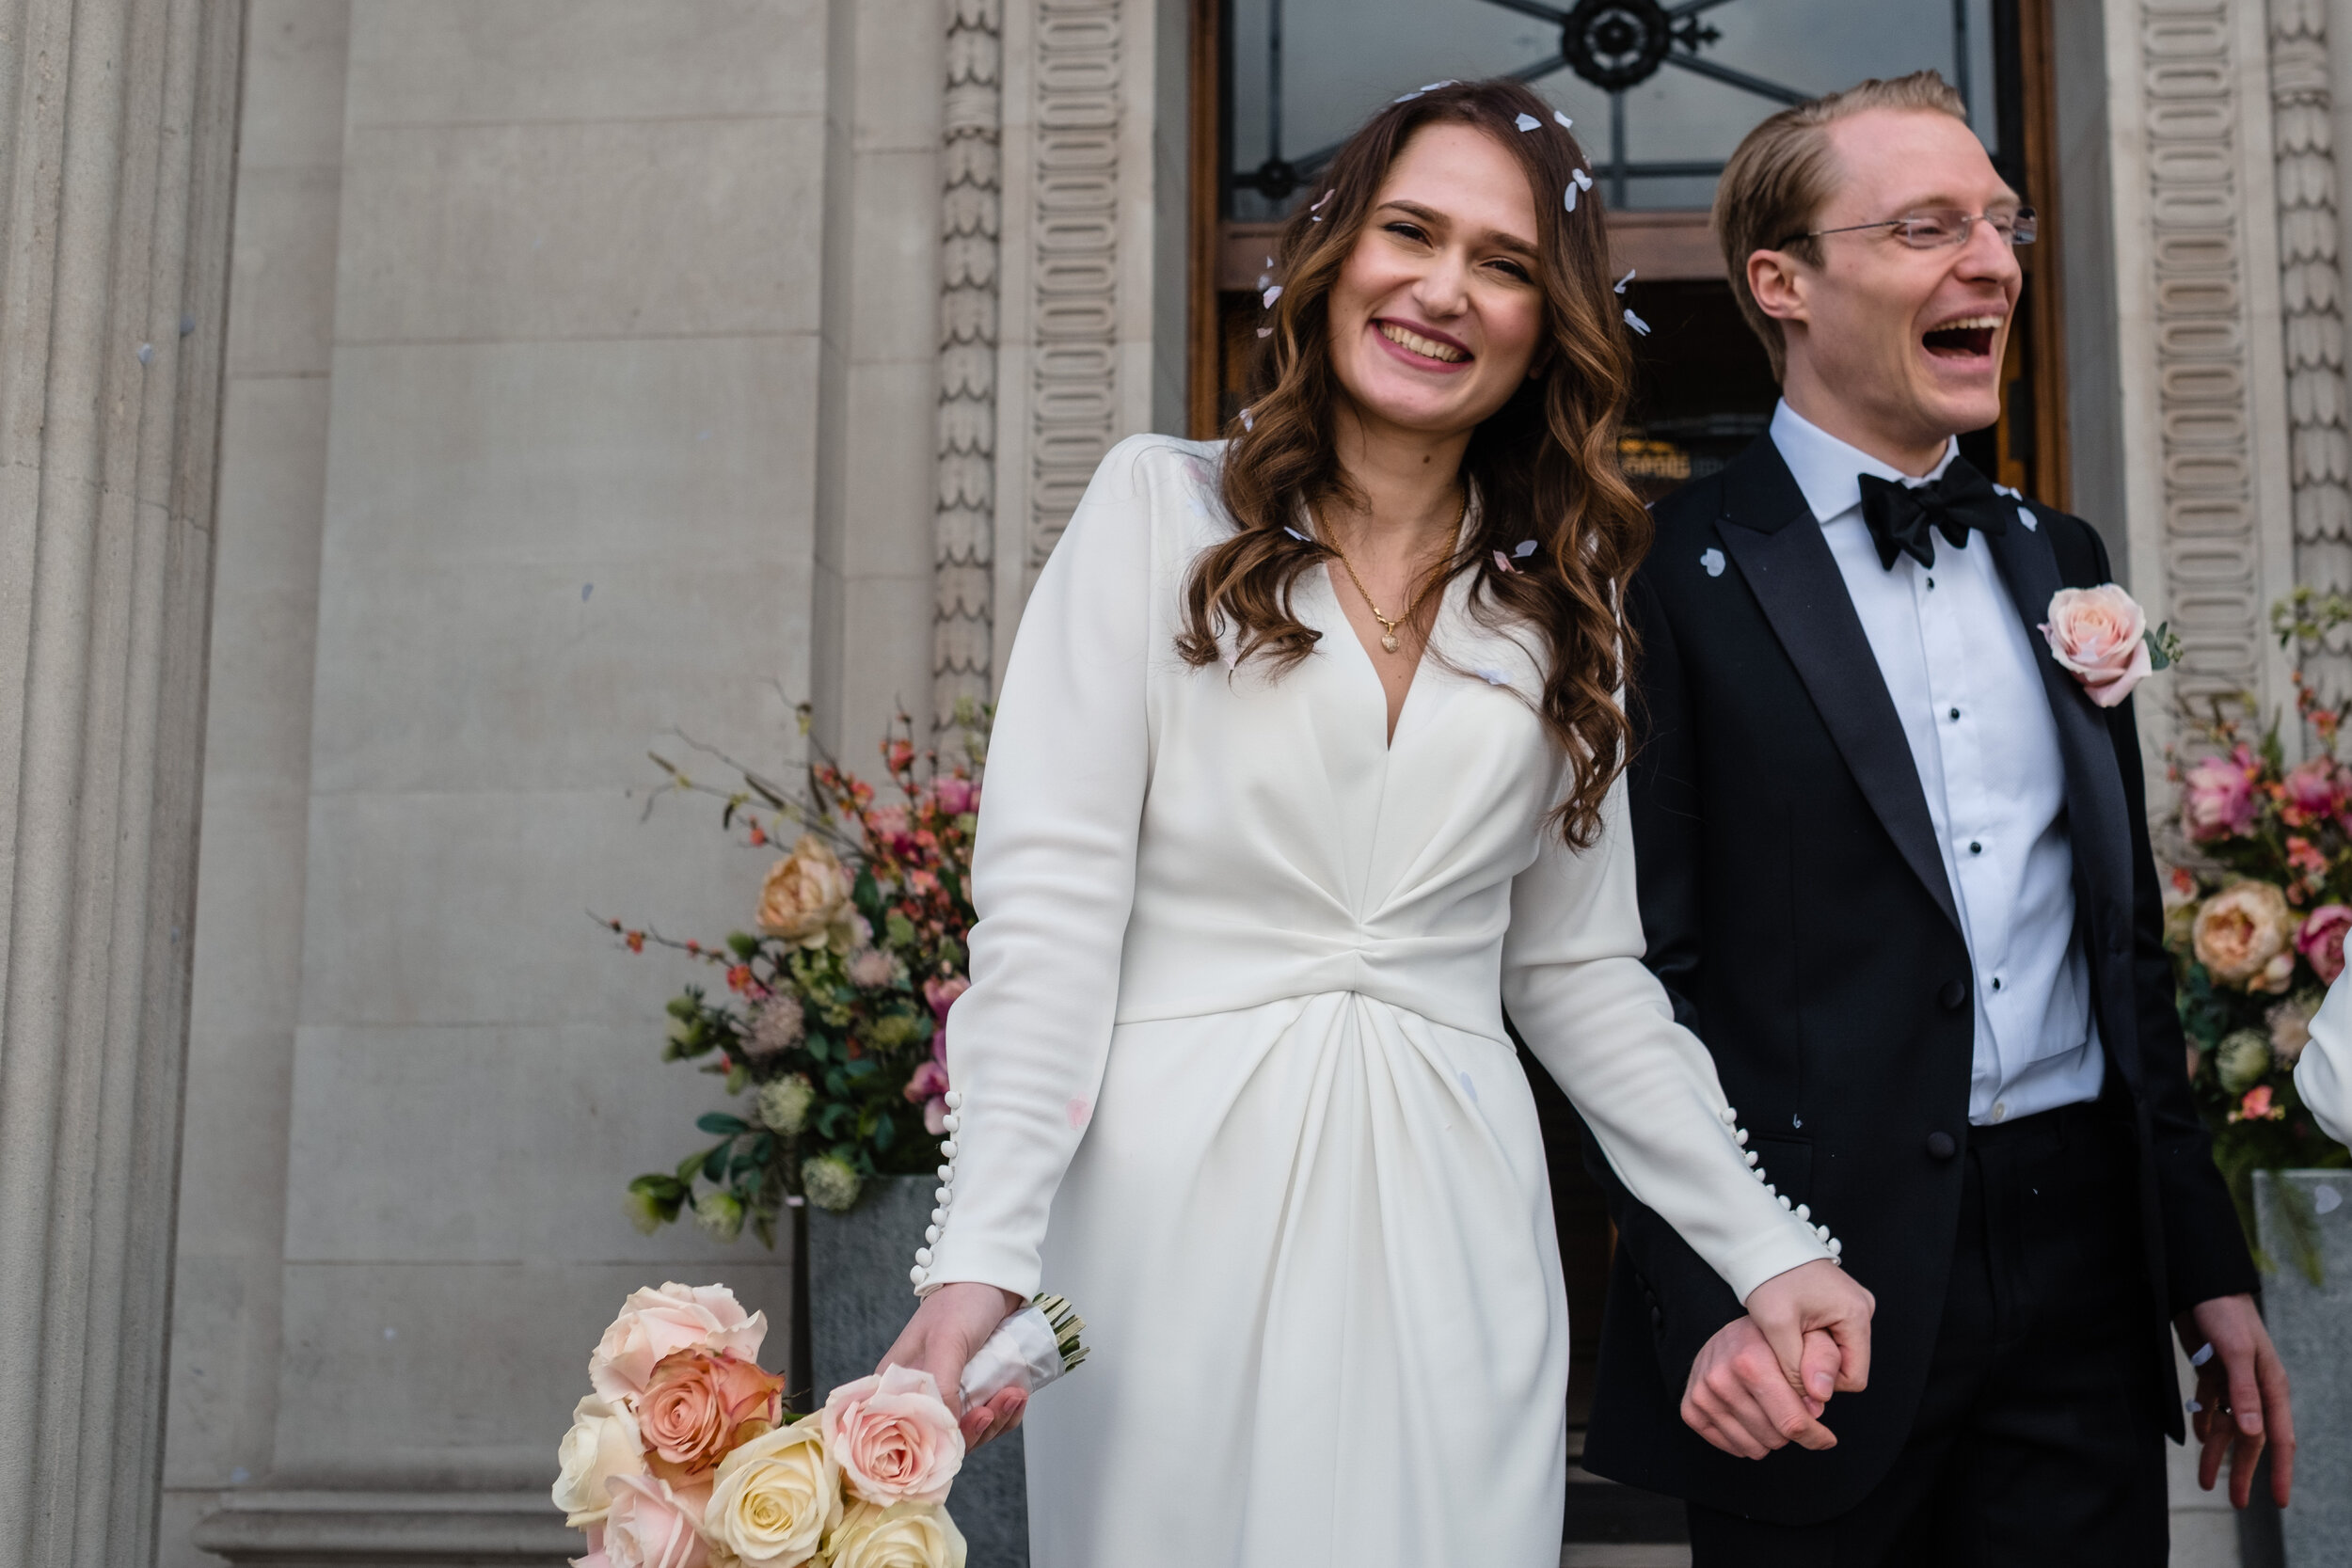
x,y
1795,1309
953,1322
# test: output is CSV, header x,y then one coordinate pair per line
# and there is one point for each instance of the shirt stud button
x,y
1955,714
1975,847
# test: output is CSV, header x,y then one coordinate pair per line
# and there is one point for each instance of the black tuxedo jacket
x,y
1797,909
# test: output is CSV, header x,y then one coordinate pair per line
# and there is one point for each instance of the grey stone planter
x,y
2310,1323
858,1301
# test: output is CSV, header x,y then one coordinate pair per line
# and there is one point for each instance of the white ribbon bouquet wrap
x,y
1030,1349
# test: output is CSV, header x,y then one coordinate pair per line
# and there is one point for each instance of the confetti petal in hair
x,y
1568,198
1565,123
1406,97
1525,548
1583,181
1637,323
1503,563
1266,332
1527,122
1269,260
1272,294
1435,85
1247,422
1321,199
1492,676
1627,278
1301,537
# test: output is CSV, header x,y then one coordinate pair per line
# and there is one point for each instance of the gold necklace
x,y
1388,625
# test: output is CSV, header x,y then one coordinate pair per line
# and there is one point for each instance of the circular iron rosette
x,y
1616,44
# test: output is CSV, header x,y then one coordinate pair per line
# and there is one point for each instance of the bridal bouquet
x,y
681,1457
2256,915
831,1027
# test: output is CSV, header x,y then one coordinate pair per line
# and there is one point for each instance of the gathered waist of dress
x,y
1196,972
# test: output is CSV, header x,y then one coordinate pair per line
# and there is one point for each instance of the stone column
x,y
117,129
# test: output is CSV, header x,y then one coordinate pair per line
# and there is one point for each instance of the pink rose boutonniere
x,y
2101,636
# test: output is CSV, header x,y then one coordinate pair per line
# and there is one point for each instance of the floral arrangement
x,y
681,1457
833,1020
2256,913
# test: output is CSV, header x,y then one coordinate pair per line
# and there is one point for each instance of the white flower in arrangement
x,y
603,1443
870,968
903,1535
720,1215
2244,1056
777,1498
831,1182
784,1104
2290,1024
777,1026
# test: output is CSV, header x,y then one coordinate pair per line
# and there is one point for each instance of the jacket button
x,y
1952,995
1940,1145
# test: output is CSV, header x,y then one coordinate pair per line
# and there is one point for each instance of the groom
x,y
1895,869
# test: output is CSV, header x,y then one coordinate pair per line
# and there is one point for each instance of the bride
x,y
1306,768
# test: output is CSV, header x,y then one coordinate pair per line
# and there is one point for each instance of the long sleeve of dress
x,y
1601,1025
2323,1074
1053,879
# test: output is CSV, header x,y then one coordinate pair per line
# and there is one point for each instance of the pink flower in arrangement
x,y
2218,796
652,1526
2314,790
956,797
941,994
893,1437
930,1079
2321,939
655,1323
2100,635
887,823
698,1406
2256,1106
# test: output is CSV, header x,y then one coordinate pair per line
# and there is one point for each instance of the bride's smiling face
x,y
1437,313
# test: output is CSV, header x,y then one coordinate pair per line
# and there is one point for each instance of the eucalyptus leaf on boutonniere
x,y
2100,636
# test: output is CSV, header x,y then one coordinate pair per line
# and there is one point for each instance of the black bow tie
x,y
1900,516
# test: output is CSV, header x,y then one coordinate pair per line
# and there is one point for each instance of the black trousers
x,y
2038,1438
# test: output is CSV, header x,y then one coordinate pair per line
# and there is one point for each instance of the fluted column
x,y
117,131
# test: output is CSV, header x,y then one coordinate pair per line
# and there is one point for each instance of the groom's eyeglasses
x,y
1939,228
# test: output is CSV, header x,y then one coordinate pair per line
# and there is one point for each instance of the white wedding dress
x,y
1234,1077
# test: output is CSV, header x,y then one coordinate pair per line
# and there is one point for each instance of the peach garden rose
x,y
894,1436
807,896
654,1324
2243,936
698,1405
2100,635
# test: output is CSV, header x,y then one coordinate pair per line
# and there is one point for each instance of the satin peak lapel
x,y
1769,531
2097,827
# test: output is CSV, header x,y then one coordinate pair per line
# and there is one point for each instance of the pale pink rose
x,y
2218,796
2242,932
652,1524
956,797
894,1436
655,1323
870,968
2098,633
941,994
2315,788
887,823
698,1406
929,1080
2321,939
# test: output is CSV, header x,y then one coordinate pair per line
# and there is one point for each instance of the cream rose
x,y
2099,634
655,1323
894,1436
2241,931
603,1443
807,896
2290,1024
776,1498
901,1535
653,1525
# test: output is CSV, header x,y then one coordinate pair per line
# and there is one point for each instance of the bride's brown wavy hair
x,y
1545,464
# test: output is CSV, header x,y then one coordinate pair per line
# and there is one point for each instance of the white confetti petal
x,y
1266,332
1565,123
1272,294
2024,515
1435,85
1583,181
1503,563
1321,199
1637,323
1712,560
1527,122
1630,273
1405,97
1491,676
1269,260
1247,422
1569,198
1524,548
147,354
1301,537
2326,1199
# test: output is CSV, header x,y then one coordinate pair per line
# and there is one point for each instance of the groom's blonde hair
x,y
1783,172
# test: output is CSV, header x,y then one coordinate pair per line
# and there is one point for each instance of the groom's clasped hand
x,y
1763,1383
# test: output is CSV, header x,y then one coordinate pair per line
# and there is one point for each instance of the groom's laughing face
x,y
1913,335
